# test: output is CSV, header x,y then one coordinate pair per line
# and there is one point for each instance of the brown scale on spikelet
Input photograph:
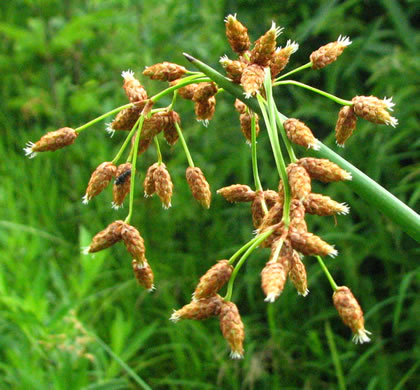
x,y
329,53
199,310
346,124
240,107
246,125
300,134
278,232
165,71
280,191
163,185
134,243
237,34
133,88
186,92
99,180
257,209
125,119
274,216
374,110
121,186
271,198
158,122
297,216
170,132
213,280
323,170
144,274
204,92
204,111
199,186
351,313
281,58
309,244
299,181
51,141
265,46
106,238
144,144
234,69
232,329
318,204
252,79
237,193
297,275
149,181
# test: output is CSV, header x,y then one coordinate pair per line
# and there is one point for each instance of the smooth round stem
x,y
126,141
258,240
159,154
258,186
308,65
184,145
103,116
316,90
173,100
327,273
241,250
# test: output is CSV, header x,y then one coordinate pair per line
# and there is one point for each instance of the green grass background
x,y
69,321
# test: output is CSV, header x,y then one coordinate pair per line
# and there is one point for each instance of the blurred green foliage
x,y
74,322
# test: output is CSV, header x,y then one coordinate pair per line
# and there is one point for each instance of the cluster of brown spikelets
x,y
278,215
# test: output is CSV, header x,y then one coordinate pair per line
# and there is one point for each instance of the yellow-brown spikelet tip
x,y
99,180
265,46
237,34
281,57
232,329
199,309
106,238
346,124
299,181
300,134
134,243
199,186
309,244
143,274
323,169
237,193
375,110
234,69
351,313
204,92
318,204
51,141
298,275
213,280
163,185
121,186
132,87
274,276
329,53
149,181
252,79
165,71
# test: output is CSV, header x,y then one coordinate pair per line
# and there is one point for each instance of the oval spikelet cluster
x,y
351,313
265,46
252,79
246,125
134,243
106,238
297,216
322,205
213,280
126,119
299,181
329,53
346,124
133,88
122,184
281,57
300,134
237,34
51,141
199,186
99,180
232,329
205,110
298,275
309,244
199,309
163,185
237,193
323,170
274,276
204,92
143,274
234,69
170,132
149,181
240,106
186,92
257,209
374,110
165,71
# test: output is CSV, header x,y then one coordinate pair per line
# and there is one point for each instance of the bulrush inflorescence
x,y
278,216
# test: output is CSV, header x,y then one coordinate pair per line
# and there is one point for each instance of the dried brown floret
x,y
165,71
234,69
213,280
99,180
232,329
374,110
346,124
299,181
323,170
281,58
300,134
246,125
121,186
149,181
199,309
126,119
323,205
237,193
329,53
309,244
163,185
170,132
204,92
133,88
297,275
237,34
134,243
252,79
204,111
144,274
106,238
265,46
199,186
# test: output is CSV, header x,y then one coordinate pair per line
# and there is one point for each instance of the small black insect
x,y
121,179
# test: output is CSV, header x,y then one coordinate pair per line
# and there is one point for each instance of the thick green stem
x,y
369,190
159,154
327,273
184,145
308,65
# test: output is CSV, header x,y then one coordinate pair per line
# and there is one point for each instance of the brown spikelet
x,y
186,92
121,186
213,280
204,92
300,134
204,111
99,180
374,110
346,124
51,141
126,119
265,46
299,181
106,238
133,88
274,216
237,34
257,209
134,243
297,216
199,186
237,193
240,106
199,309
165,71
271,198
234,69
144,274
323,205
323,170
274,276
170,132
252,79
298,276
278,231
158,122
144,143
309,244
246,125
163,185
329,53
281,58
232,329
280,191
149,181
351,313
